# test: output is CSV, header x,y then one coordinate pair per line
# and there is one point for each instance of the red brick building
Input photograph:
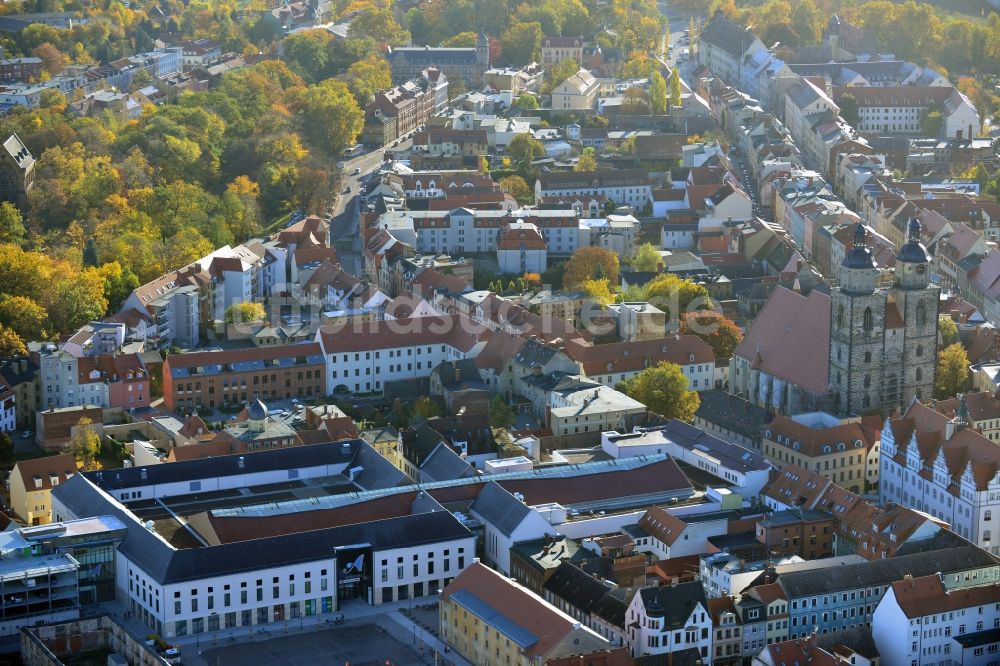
x,y
228,378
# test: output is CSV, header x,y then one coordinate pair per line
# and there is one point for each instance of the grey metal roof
x,y
979,638
168,565
858,639
732,412
578,588
435,55
802,94
730,37
674,602
798,584
499,508
219,466
732,456
443,464
376,472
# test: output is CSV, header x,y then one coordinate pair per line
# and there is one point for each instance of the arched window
x,y
840,315
868,381
920,374
868,320
920,350
868,357
921,314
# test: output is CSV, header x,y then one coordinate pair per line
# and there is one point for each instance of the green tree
x,y
664,390
328,115
658,93
426,407
119,282
524,149
947,331
378,24
85,445
76,300
526,101
367,77
245,313
673,294
675,88
720,332
11,224
931,123
466,40
638,65
646,258
518,188
11,343
306,53
501,415
558,73
635,101
598,291
848,104
522,43
952,372
587,160
590,263
23,316
90,253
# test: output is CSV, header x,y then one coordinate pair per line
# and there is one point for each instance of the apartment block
x,y
228,378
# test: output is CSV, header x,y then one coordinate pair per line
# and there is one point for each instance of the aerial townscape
x,y
490,333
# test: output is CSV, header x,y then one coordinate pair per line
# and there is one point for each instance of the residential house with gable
x,y
919,620
670,619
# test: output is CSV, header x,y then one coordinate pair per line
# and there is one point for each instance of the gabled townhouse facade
x,y
831,599
919,621
939,465
661,620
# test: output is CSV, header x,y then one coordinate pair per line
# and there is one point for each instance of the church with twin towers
x,y
883,342
864,347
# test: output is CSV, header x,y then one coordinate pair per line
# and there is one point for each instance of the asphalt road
x,y
345,234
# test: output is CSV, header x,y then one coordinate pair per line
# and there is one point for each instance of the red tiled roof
x,y
633,356
456,330
785,335
664,526
927,595
517,604
61,467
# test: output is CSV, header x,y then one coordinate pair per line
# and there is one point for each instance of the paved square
x,y
364,645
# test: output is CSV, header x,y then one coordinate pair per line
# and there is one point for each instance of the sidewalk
x,y
406,630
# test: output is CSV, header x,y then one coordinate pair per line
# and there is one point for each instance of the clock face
x,y
921,268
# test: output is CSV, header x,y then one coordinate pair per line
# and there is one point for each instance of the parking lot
x,y
362,645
